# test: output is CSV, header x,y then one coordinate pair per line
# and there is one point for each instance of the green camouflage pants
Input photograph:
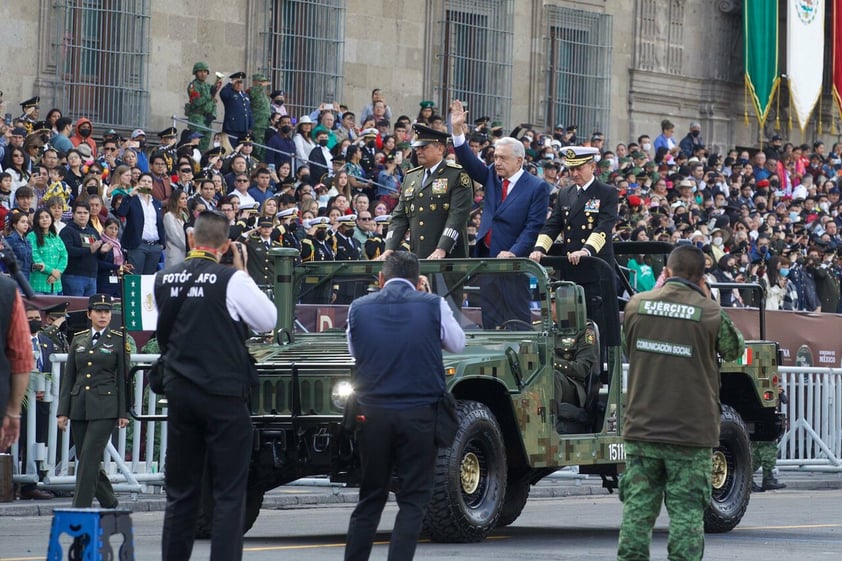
x,y
196,119
764,454
678,476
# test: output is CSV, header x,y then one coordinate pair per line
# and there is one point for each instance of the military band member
x,y
285,231
260,266
584,214
434,202
92,396
167,148
29,116
316,246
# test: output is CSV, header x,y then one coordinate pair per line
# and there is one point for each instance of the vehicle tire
x,y
254,500
469,485
516,496
731,474
204,520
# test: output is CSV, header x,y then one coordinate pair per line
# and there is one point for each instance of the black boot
x,y
771,484
755,488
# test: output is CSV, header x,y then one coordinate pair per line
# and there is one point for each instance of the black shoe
x,y
755,488
36,495
771,484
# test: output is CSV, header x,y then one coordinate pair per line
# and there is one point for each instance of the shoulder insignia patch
x,y
464,180
590,336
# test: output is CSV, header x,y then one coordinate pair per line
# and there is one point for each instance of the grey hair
x,y
517,146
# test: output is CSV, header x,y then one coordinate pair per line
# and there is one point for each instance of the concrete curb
x,y
292,497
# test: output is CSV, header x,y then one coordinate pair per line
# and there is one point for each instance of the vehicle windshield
x,y
493,295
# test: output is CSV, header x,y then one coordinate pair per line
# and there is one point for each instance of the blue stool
x,y
91,528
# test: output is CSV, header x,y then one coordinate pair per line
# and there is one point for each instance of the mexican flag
x,y
141,313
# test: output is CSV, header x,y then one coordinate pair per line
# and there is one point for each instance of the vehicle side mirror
x,y
570,309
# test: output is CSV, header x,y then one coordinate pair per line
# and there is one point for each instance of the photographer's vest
x,y
673,383
205,345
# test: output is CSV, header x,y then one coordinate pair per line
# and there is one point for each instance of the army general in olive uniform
x,y
93,397
434,202
584,213
672,337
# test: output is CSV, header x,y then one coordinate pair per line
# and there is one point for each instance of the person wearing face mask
x,y
693,141
84,135
281,146
645,144
321,160
277,106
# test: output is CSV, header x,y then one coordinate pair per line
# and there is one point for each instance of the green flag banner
x,y
761,54
141,313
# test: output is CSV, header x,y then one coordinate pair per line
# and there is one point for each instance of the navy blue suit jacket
x,y
515,222
132,209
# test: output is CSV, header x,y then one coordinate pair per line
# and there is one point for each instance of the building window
x,y
477,57
103,60
579,69
304,45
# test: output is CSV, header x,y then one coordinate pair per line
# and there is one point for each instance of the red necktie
x,y
503,196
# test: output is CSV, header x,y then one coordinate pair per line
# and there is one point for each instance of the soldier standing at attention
x,y
93,397
584,213
260,110
434,202
237,104
672,337
201,103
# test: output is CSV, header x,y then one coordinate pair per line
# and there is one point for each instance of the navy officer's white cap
x,y
322,221
347,219
287,212
383,219
578,155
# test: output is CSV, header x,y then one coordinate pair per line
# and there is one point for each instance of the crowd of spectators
x,y
82,206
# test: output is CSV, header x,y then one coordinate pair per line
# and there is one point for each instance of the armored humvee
x,y
512,432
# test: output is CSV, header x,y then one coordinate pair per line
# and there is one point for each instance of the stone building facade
x,y
614,66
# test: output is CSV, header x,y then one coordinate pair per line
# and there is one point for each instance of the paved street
x,y
789,525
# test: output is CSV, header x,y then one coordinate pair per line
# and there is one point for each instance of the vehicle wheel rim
x,y
470,473
720,470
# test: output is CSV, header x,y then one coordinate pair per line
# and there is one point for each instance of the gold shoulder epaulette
x,y
80,332
452,164
414,169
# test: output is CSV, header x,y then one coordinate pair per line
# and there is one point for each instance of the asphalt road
x,y
789,525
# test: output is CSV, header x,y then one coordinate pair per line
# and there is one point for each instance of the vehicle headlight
x,y
340,393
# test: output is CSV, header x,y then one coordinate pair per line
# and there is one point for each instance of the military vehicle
x,y
511,434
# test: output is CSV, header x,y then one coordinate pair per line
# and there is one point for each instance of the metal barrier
x,y
133,466
813,439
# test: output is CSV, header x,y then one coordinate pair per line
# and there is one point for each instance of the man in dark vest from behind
x,y
207,386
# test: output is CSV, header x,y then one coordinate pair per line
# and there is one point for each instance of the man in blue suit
x,y
513,212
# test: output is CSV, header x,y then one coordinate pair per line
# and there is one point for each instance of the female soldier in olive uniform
x,y
93,396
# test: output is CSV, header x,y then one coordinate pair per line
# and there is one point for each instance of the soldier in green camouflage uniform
x,y
201,105
764,454
671,336
260,110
